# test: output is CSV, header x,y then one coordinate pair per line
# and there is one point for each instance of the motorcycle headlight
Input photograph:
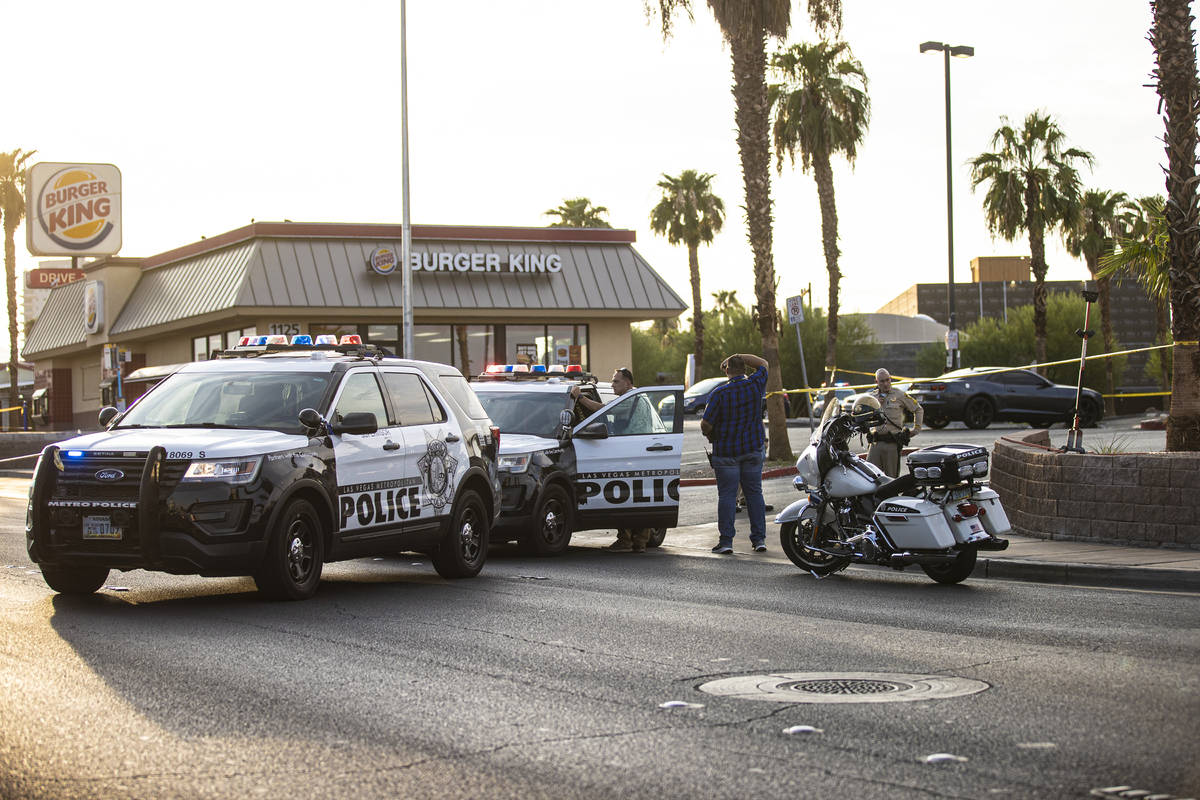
x,y
920,473
935,472
236,470
513,463
980,467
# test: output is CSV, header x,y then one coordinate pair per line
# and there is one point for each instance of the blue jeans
x,y
745,469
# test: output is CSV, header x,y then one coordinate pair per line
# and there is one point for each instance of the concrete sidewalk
x,y
1027,559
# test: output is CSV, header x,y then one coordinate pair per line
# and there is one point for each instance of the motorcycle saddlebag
x,y
914,524
991,513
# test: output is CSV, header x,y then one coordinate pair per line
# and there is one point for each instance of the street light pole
x,y
953,360
405,227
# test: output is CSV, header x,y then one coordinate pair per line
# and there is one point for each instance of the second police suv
x,y
564,468
269,461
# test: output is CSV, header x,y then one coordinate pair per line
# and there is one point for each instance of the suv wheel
x,y
464,547
656,537
74,580
550,532
291,569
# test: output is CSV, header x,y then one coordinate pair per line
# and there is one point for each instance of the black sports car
x,y
1016,395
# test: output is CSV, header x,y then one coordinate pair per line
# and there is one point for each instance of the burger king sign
x,y
73,209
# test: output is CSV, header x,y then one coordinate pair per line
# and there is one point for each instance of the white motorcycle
x,y
937,516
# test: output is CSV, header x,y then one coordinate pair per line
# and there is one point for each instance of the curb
x,y
770,473
1100,575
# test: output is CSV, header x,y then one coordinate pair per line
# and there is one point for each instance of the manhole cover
x,y
843,687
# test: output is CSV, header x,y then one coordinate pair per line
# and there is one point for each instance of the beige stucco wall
x,y
610,345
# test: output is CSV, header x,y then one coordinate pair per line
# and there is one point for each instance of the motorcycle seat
x,y
902,485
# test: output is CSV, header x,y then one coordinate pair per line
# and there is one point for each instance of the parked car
x,y
695,397
841,391
979,396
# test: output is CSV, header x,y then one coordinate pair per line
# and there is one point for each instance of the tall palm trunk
x,y
823,174
697,312
1179,88
749,47
10,279
1037,263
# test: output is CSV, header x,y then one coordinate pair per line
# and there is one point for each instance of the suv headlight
x,y
513,463
234,470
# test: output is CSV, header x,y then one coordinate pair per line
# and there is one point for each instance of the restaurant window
x,y
204,346
385,336
546,344
432,343
338,329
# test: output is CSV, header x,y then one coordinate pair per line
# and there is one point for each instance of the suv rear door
x,y
628,459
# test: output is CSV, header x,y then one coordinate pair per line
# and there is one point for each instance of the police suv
x,y
270,460
564,468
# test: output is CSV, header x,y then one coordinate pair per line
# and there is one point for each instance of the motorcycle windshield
x,y
832,408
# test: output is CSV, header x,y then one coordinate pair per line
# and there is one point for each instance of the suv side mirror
x,y
107,415
358,422
597,430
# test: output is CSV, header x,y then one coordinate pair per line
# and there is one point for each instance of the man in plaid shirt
x,y
733,423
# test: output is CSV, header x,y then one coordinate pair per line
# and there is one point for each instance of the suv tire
x,y
464,547
657,535
291,568
550,532
74,580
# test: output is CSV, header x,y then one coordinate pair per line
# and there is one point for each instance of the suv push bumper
x,y
182,546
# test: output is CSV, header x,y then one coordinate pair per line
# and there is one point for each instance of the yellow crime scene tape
x,y
896,378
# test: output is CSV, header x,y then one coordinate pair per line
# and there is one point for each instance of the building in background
x,y
901,338
481,295
1002,283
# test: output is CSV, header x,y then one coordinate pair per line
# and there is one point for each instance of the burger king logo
x,y
76,209
383,260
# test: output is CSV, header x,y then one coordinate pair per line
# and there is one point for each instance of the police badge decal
x,y
437,471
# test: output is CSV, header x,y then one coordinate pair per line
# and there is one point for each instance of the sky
x,y
223,112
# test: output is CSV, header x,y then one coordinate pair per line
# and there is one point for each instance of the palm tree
x,y
689,213
1093,236
821,108
746,26
12,204
1178,88
578,212
1033,186
1140,251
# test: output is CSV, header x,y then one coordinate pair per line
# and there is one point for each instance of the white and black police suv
x,y
269,461
564,468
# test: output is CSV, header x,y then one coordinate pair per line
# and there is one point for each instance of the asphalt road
x,y
546,678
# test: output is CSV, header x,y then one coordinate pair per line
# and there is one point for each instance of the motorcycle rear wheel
x,y
795,536
955,571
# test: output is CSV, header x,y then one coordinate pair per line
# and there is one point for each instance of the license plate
x,y
978,535
100,527
961,493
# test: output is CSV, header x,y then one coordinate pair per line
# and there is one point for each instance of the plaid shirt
x,y
735,411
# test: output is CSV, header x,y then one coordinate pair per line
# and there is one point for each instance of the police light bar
x,y
538,368
520,368
302,338
259,341
557,369
574,368
326,338
277,338
351,338
495,369
245,340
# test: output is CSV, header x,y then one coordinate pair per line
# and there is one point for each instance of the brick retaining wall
x,y
1149,499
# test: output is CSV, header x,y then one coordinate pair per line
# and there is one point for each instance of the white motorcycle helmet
x,y
864,405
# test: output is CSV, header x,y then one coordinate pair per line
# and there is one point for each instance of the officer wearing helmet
x,y
888,438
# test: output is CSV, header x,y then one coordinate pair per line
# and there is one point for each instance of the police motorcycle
x,y
938,516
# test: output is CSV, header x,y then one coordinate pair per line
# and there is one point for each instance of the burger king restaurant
x,y
481,295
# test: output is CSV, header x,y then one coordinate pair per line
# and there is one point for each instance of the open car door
x,y
628,456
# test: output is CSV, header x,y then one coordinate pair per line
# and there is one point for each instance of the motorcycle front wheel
x,y
955,571
795,538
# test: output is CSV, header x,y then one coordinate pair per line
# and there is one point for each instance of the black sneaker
x,y
760,548
723,549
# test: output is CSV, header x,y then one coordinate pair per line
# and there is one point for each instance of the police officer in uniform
x,y
888,439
